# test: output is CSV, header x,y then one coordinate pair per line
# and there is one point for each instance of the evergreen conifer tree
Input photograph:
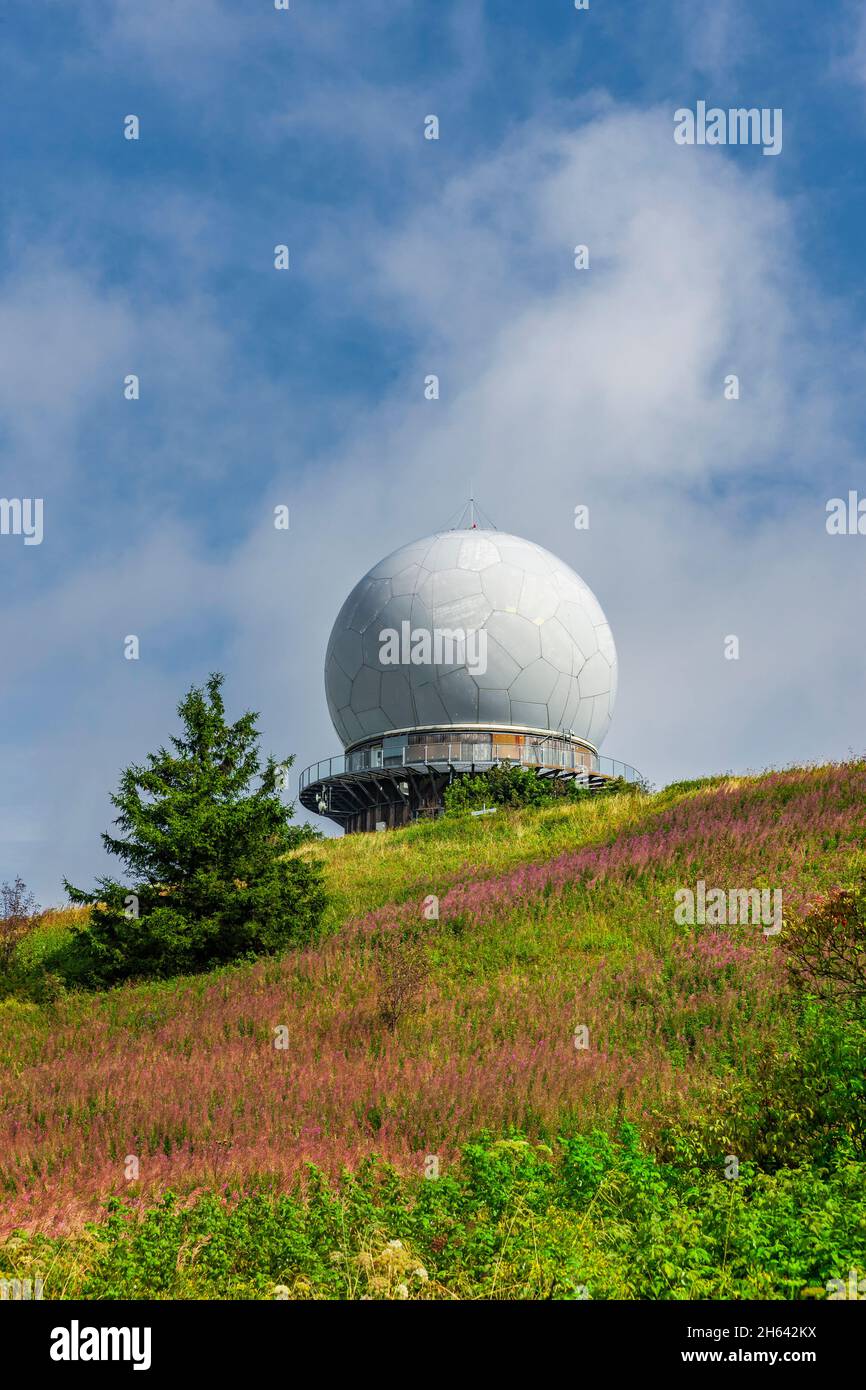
x,y
206,851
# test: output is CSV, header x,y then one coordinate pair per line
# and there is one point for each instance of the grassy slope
x,y
548,920
369,871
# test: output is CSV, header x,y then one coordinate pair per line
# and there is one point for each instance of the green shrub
x,y
826,948
592,1216
18,916
502,785
512,787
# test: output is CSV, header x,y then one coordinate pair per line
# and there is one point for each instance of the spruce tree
x,y
206,851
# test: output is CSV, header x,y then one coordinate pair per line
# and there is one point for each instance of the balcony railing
x,y
468,753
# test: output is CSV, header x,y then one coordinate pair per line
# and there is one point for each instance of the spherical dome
x,y
537,651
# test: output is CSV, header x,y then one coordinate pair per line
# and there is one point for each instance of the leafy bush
x,y
503,785
17,911
590,1216
514,787
827,948
805,1103
208,851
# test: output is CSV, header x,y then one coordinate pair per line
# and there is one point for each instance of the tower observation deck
x,y
466,649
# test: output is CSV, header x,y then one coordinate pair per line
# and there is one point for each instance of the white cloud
x,y
716,37
60,345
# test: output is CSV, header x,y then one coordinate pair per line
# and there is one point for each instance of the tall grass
x,y
547,922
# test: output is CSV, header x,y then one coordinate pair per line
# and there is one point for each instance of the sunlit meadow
x,y
549,922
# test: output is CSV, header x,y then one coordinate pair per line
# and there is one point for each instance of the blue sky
x,y
408,257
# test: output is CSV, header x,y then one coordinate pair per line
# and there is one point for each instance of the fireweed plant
x,y
552,1114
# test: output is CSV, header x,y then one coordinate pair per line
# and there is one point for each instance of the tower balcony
x,y
401,776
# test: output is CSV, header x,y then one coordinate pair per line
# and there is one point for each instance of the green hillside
x,y
506,1054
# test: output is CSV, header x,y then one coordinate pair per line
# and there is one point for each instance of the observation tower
x,y
468,648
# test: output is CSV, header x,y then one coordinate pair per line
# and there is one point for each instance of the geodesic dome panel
x,y
549,657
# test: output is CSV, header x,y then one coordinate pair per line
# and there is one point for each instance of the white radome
x,y
550,657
